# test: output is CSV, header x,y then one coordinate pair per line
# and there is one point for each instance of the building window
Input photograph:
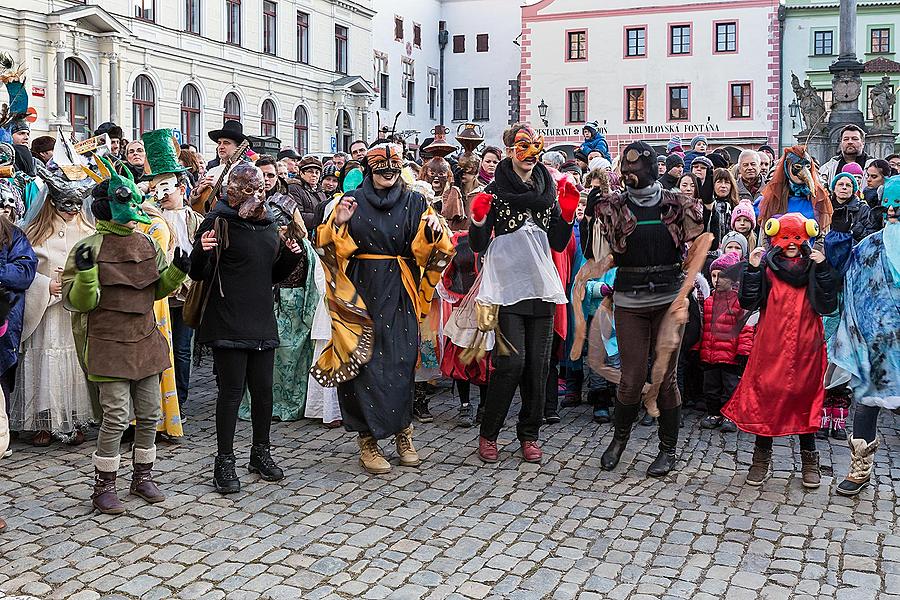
x,y
233,21
576,44
880,40
302,37
192,16
576,106
78,106
636,41
482,108
417,35
634,105
432,93
232,107
823,43
869,115
143,10
143,107
410,97
269,121
680,39
481,42
461,105
301,131
341,36
827,97
679,103
459,44
190,115
383,81
740,101
398,29
270,26
726,37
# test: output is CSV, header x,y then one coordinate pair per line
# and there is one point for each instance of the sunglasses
x,y
270,175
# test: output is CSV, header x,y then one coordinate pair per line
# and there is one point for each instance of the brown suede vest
x,y
123,341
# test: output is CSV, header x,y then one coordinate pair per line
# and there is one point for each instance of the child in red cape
x,y
781,392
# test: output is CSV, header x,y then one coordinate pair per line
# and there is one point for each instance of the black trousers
x,y
234,368
551,402
719,383
807,441
532,336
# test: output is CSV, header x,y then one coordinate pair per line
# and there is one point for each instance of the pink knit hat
x,y
724,262
743,209
853,168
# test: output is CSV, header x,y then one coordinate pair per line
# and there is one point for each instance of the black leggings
x,y
234,368
463,388
807,442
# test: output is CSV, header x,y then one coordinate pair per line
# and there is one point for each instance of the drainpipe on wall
x,y
781,18
443,37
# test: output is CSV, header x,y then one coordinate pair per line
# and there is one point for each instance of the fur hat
x,y
734,236
743,209
673,160
42,144
674,142
726,261
697,139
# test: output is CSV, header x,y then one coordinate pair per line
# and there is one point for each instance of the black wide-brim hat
x,y
232,130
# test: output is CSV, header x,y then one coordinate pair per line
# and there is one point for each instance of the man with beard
x,y
853,140
646,229
749,180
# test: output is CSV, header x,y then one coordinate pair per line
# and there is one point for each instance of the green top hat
x,y
161,150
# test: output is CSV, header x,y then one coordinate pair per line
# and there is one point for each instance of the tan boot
x,y
759,468
405,449
810,468
862,459
370,456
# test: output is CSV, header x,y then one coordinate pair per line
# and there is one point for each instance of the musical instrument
x,y
205,200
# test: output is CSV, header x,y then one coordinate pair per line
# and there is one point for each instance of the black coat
x,y
307,200
254,260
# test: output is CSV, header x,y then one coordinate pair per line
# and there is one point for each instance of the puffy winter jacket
x,y
598,144
719,344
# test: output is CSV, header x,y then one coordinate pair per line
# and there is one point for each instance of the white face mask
x,y
165,187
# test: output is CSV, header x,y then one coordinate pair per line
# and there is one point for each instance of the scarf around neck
x,y
536,195
792,271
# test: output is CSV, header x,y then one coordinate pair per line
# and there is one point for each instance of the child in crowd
x,y
743,221
726,341
601,391
735,242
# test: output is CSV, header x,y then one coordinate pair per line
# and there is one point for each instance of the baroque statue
x,y
812,106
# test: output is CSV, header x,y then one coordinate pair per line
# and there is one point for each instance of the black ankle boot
x,y
261,462
669,423
225,479
623,419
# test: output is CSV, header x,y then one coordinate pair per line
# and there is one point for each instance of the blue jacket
x,y
17,268
689,157
596,143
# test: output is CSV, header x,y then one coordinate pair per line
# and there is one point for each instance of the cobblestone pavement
x,y
454,528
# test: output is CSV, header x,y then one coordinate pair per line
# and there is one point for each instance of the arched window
x,y
78,105
343,131
269,122
232,107
301,130
190,115
143,107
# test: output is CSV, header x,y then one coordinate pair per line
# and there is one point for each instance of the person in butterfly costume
x,y
110,282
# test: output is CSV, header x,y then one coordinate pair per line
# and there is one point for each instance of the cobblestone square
x,y
454,528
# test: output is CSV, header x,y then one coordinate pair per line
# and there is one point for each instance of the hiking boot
x,y
759,467
405,449
487,450
225,479
862,459
370,456
142,483
261,462
809,468
104,498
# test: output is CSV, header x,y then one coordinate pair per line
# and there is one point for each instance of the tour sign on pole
x,y
333,144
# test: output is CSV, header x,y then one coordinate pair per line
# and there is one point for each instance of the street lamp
x,y
794,110
542,110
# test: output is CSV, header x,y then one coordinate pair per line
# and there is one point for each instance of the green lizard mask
x,y
124,197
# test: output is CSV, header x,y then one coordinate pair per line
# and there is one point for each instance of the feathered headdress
x,y
14,79
776,192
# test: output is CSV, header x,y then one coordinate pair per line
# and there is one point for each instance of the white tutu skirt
x,y
518,266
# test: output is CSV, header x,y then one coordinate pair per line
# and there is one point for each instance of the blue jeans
x,y
182,335
865,422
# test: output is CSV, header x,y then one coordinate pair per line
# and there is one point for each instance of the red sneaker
x,y
531,452
487,450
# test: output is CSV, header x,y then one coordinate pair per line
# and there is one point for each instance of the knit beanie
x,y
853,168
661,159
734,236
674,142
696,139
703,160
726,261
598,162
743,209
848,176
673,160
579,155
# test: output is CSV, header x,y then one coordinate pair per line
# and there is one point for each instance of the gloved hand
x,y
606,290
481,206
181,260
568,199
840,220
84,258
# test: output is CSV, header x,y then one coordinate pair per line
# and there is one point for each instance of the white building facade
x,y
471,77
296,70
648,71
